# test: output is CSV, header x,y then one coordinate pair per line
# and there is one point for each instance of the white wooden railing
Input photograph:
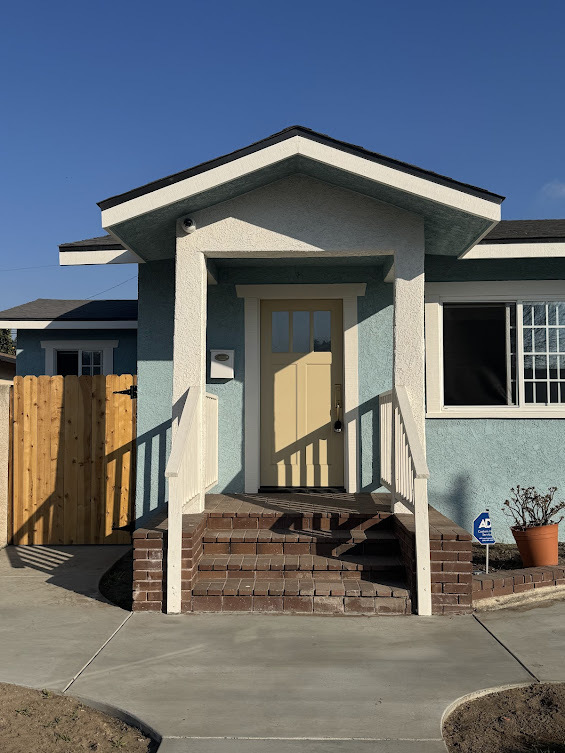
x,y
405,473
189,475
211,448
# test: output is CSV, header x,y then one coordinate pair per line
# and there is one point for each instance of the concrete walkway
x,y
259,683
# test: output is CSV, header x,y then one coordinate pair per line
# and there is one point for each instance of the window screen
x,y
479,354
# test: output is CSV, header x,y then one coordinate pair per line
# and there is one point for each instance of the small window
x,y
91,362
479,354
67,362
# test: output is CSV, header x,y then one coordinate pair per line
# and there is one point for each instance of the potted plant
x,y
535,528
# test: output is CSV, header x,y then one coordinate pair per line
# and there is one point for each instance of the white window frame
x,y
52,346
436,294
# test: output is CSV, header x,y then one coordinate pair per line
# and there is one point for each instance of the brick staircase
x,y
327,561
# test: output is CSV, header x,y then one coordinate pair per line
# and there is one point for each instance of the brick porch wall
x,y
503,583
451,562
149,562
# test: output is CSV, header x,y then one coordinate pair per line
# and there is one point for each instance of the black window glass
x,y
67,362
478,350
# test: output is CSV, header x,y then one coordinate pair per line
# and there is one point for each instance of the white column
x,y
189,371
408,336
189,351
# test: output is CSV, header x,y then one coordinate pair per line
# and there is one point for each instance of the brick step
x,y
336,542
280,564
296,521
348,596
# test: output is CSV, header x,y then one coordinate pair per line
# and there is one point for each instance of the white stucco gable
x,y
303,215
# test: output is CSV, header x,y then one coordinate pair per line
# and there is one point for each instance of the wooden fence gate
x,y
72,469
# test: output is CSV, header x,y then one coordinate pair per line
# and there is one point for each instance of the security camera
x,y
187,225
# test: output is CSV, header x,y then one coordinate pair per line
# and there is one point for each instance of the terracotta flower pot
x,y
538,546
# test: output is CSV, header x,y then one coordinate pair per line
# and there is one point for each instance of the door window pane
x,y
478,364
322,331
280,339
300,331
67,362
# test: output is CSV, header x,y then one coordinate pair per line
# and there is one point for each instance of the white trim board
x,y
66,324
462,292
545,250
283,150
253,295
106,346
107,256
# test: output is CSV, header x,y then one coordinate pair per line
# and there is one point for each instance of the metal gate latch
x,y
131,391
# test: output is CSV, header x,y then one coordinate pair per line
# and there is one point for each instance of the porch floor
x,y
296,503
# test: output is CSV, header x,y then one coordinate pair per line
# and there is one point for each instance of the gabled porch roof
x,y
456,215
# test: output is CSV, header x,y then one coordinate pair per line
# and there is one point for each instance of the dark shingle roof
x,y
307,133
515,231
55,308
92,244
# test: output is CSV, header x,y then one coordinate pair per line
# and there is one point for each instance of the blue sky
x,y
100,97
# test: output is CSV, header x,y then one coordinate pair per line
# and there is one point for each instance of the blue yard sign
x,y
482,529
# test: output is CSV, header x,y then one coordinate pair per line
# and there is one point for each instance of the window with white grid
x,y
91,362
507,353
543,337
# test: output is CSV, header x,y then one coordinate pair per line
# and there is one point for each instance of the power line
x,y
20,269
112,288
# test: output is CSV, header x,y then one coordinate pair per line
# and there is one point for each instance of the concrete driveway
x,y
261,683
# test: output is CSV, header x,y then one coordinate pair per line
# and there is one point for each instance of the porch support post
x,y
189,370
189,351
408,337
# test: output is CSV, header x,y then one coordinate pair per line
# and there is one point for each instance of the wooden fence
x,y
72,469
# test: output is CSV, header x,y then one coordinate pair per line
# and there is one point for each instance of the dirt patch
x,y
117,583
504,557
521,720
44,722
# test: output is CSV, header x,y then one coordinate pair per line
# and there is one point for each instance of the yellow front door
x,y
301,393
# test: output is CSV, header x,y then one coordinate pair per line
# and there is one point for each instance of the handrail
x,y
183,430
416,450
404,471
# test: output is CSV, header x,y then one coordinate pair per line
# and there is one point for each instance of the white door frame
x,y
253,295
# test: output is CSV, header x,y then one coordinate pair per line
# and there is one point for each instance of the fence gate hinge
x,y
131,391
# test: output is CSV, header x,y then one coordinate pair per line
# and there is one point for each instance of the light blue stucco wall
x,y
475,462
226,330
31,356
155,384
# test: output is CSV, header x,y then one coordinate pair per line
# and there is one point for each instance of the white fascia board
x,y
198,183
549,250
108,256
323,153
60,324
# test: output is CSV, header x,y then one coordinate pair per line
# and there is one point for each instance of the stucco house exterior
x,y
80,337
360,334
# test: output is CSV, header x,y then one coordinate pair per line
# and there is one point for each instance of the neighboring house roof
x,y
92,244
307,133
8,358
68,313
514,231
